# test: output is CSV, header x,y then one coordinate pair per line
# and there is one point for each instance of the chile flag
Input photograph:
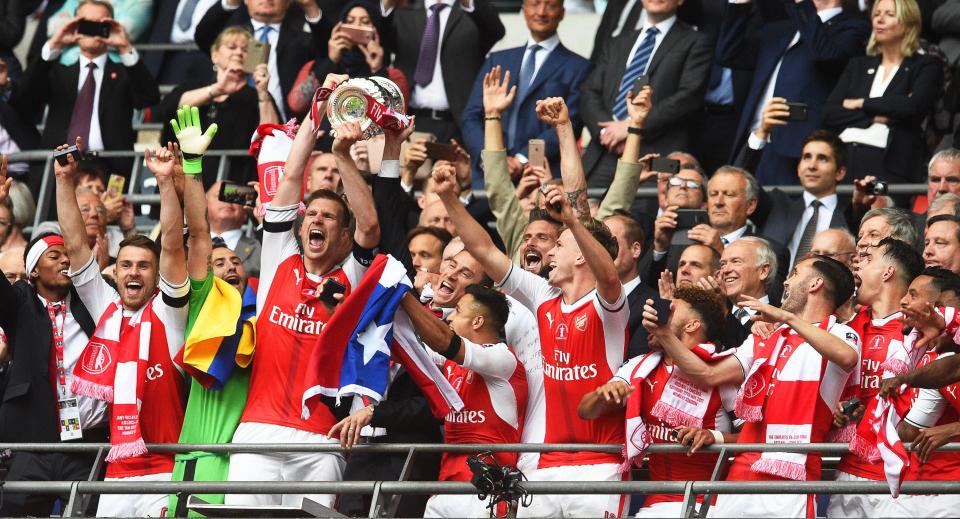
x,y
355,348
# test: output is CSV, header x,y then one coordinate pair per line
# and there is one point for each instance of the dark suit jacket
x,y
809,70
467,37
678,72
121,90
734,333
560,75
28,413
294,46
638,334
249,251
908,99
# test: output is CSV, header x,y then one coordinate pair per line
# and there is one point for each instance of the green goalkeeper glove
x,y
193,142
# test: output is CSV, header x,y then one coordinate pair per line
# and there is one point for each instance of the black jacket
x,y
638,334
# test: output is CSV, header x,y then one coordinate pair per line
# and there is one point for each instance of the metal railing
x,y
385,494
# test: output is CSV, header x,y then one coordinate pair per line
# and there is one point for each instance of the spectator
x,y
629,236
441,68
795,60
881,100
838,244
13,23
747,269
132,15
21,209
493,410
885,222
16,133
941,243
322,173
226,223
815,288
280,25
947,203
542,68
152,401
176,22
678,75
943,174
796,221
91,177
93,98
226,98
12,266
426,246
434,214
696,262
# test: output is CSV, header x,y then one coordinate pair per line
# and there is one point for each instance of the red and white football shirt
x,y
493,386
933,407
582,345
289,320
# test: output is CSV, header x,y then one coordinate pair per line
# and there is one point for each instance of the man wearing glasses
x,y
838,244
11,263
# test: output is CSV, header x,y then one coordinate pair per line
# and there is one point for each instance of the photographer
x,y
487,375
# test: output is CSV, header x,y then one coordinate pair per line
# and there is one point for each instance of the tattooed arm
x,y
553,111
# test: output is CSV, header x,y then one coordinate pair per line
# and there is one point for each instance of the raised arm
x,y
605,399
359,196
68,211
173,261
553,111
475,238
939,373
201,246
435,333
631,170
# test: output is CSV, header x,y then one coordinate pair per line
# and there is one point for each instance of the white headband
x,y
41,246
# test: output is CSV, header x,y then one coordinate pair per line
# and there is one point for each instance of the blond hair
x,y
908,15
229,32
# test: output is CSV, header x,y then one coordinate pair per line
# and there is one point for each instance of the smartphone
x,y
661,165
536,152
233,193
687,219
61,156
114,187
638,85
357,33
258,52
662,306
440,151
330,287
92,28
798,111
850,406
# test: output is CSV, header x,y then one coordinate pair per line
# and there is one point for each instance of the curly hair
x,y
707,305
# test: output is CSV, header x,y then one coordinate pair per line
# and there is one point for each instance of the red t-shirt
x,y
933,407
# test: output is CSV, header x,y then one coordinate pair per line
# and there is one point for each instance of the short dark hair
x,y
945,218
909,262
829,138
540,214
437,232
837,278
633,231
602,234
346,216
942,279
91,167
143,242
707,306
495,305
101,3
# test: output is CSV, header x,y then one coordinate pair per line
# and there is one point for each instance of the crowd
x,y
719,311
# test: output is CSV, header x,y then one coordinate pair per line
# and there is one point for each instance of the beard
x,y
794,302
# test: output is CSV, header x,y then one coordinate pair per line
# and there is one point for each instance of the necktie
x,y
806,239
740,314
526,78
83,108
721,86
57,312
429,46
185,20
634,69
724,241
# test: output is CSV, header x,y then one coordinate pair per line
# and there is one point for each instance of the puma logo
x,y
296,272
549,320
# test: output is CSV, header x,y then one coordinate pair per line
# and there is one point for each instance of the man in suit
x,y
226,223
20,134
676,60
443,62
942,243
540,69
796,221
176,22
798,59
37,314
629,236
279,24
748,267
93,98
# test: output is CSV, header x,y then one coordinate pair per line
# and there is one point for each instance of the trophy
x,y
373,102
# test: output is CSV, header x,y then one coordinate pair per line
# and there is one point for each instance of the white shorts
x,y
452,505
939,505
764,505
855,505
668,509
577,505
302,466
135,505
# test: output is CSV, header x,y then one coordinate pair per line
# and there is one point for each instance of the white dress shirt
x,y
546,47
824,216
876,134
178,35
95,138
623,19
727,239
231,237
750,311
825,15
630,285
664,27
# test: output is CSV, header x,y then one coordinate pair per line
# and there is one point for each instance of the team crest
x,y
96,358
754,386
581,322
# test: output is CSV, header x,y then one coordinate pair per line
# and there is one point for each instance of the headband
x,y
38,248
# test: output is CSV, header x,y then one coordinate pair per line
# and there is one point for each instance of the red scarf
x,y
681,403
877,440
787,407
113,369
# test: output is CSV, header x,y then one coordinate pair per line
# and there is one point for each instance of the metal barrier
x,y
385,494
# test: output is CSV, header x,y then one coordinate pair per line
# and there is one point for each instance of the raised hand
x,y
193,141
161,163
638,108
927,321
347,134
5,182
663,228
614,392
261,77
70,168
557,204
765,312
774,114
553,111
444,180
498,95
118,36
666,285
373,52
66,35
462,165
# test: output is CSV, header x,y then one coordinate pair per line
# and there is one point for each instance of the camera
x,y
502,484
876,187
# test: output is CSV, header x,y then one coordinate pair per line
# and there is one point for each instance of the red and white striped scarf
x,y
681,403
876,438
781,390
113,367
906,358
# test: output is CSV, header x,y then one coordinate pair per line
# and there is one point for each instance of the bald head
x,y
434,214
838,244
11,263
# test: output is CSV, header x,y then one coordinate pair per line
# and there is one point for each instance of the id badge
x,y
70,419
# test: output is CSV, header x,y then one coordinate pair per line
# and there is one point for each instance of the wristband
x,y
455,344
492,118
192,163
634,131
717,437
